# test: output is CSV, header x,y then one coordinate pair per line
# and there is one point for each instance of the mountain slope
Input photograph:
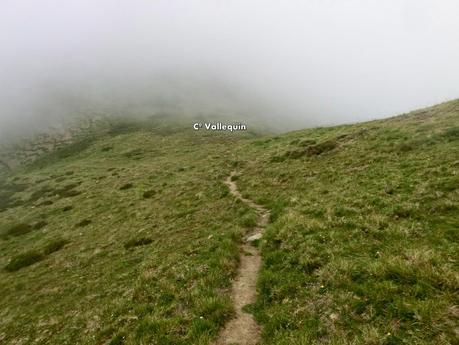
x,y
131,240
363,246
131,236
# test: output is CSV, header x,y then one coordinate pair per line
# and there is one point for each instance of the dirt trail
x,y
243,329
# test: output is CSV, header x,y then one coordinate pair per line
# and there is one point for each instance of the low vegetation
x,y
16,230
363,243
135,242
54,245
23,260
131,237
148,194
33,256
150,263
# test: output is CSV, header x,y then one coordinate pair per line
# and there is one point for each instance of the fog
x,y
295,63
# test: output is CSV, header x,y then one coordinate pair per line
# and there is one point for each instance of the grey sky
x,y
316,61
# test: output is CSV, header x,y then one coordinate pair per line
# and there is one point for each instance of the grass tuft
x,y
23,260
136,242
318,149
17,230
39,225
54,245
149,194
83,223
126,186
451,134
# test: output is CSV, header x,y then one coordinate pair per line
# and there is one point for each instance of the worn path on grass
x,y
243,329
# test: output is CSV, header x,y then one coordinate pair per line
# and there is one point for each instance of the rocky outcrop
x,y
27,150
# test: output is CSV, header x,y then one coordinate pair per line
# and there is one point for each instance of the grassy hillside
x,y
130,236
363,247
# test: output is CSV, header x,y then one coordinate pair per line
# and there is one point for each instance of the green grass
x,y
54,245
16,230
7,192
72,280
130,236
135,242
23,260
364,240
33,256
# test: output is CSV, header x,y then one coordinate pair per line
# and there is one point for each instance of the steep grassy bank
x,y
364,240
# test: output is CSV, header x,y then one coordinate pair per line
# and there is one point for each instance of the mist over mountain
x,y
295,63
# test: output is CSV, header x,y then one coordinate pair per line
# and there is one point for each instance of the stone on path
x,y
254,237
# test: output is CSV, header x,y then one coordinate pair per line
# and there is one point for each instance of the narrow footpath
x,y
243,329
